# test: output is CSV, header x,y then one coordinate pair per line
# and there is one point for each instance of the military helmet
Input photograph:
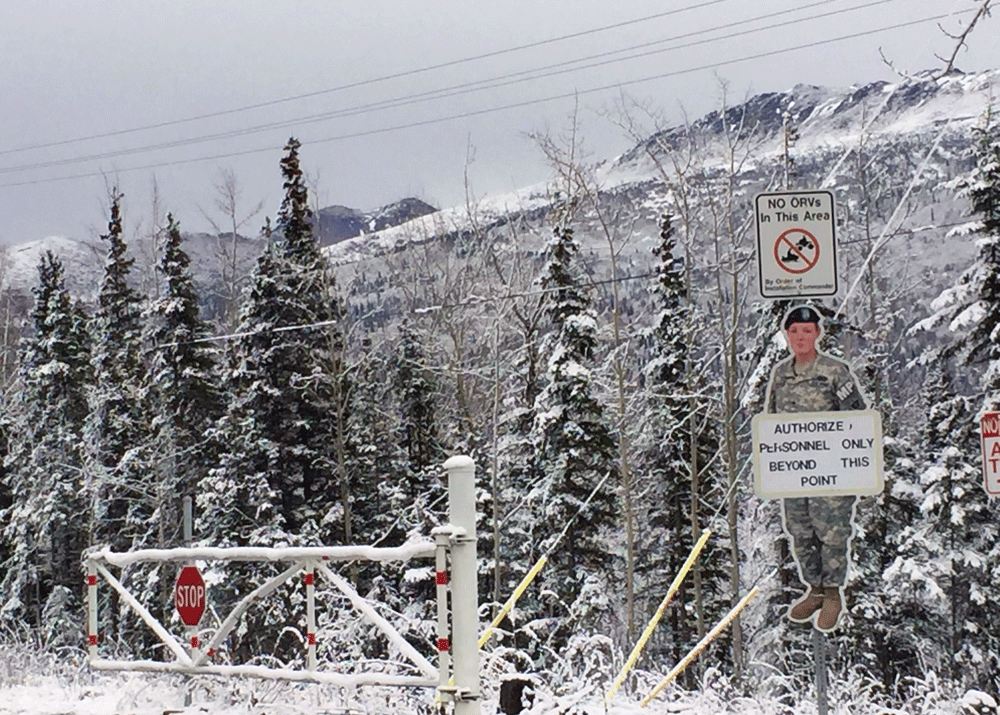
x,y
801,314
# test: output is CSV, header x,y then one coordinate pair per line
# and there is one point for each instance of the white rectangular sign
x,y
796,245
805,454
989,429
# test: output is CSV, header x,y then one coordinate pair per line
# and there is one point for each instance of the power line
x,y
473,86
375,80
515,105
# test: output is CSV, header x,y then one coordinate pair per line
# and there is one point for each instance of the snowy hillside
x,y
831,124
891,127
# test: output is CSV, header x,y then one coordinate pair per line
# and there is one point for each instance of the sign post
x,y
796,245
989,429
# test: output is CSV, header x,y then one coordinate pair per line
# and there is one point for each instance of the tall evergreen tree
x,y
575,444
674,451
46,525
277,439
955,503
984,194
376,457
289,368
183,372
185,401
417,400
119,422
938,555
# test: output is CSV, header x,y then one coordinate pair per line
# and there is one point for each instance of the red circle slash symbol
x,y
796,250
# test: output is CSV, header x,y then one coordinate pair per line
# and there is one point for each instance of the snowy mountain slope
x,y
827,120
883,128
81,260
337,223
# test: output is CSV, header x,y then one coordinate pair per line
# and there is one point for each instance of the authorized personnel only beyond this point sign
x,y
989,427
821,454
796,245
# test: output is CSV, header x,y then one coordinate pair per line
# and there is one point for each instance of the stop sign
x,y
189,595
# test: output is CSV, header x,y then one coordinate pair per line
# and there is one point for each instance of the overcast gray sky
x,y
90,85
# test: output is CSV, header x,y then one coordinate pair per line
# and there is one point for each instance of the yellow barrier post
x,y
521,587
702,644
671,592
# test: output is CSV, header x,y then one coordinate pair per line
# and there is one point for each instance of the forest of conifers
x,y
600,358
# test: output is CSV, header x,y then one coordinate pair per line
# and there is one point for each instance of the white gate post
x,y
465,591
92,610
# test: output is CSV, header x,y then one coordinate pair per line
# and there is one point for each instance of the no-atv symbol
x,y
796,250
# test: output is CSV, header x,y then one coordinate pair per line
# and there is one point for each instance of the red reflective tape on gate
x,y
211,652
441,578
91,580
443,644
92,639
195,642
309,578
311,638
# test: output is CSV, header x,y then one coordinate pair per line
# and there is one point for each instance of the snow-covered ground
x,y
43,684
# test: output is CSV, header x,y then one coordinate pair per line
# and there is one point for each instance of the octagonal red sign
x,y
189,596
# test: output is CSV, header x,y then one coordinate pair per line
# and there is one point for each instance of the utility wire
x,y
515,105
504,80
366,82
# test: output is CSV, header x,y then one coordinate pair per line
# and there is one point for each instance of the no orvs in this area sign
x,y
796,246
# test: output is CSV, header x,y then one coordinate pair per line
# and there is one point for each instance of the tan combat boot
x,y
803,609
829,613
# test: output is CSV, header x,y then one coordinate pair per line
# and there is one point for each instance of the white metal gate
x,y
456,645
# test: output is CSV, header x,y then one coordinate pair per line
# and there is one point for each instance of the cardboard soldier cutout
x,y
819,528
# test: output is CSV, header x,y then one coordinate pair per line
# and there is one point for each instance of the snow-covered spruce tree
x,y
375,456
275,480
374,460
915,624
956,504
118,428
120,456
416,395
576,450
416,497
674,452
46,525
183,369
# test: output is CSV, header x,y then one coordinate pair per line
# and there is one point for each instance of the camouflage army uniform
x,y
820,527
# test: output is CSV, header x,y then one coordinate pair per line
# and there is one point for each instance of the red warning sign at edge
x,y
989,428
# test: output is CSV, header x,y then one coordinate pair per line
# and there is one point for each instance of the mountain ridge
x,y
831,124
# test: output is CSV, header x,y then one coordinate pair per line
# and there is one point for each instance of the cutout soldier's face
x,y
802,340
